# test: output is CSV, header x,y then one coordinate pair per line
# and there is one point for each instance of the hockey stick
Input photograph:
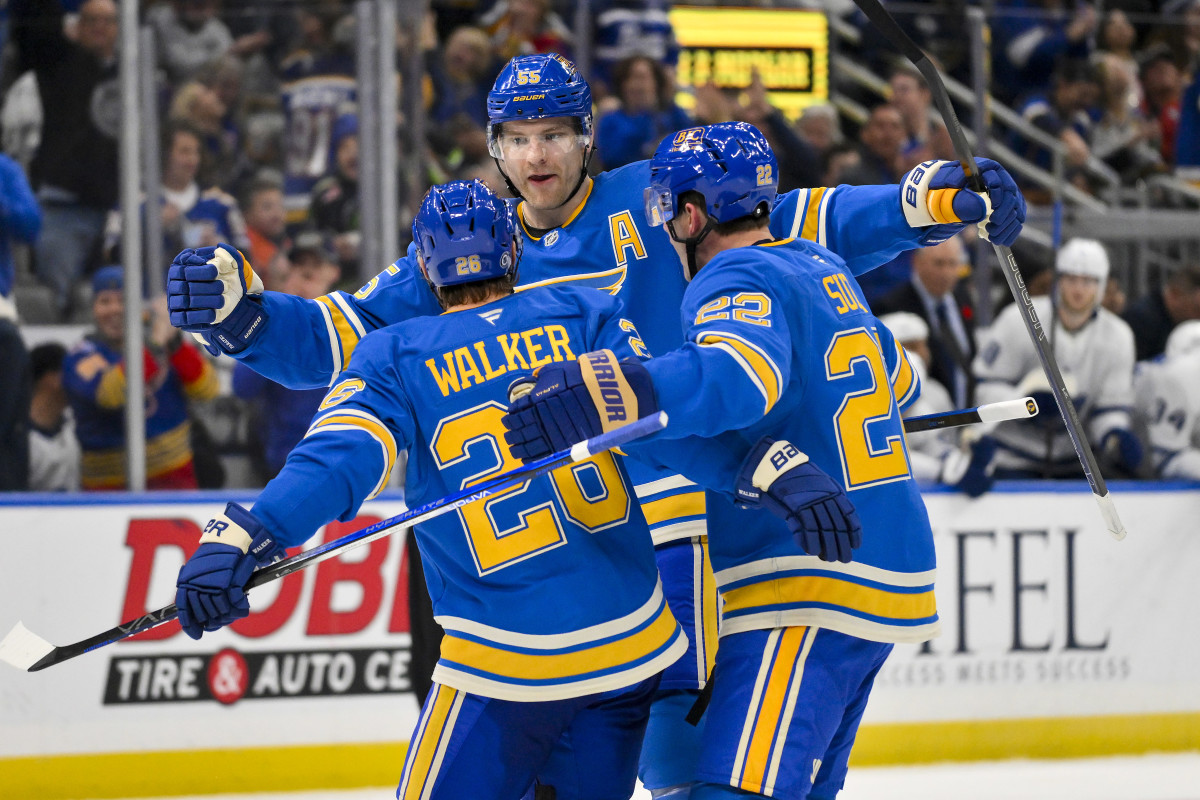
x,y
1022,408
26,650
888,26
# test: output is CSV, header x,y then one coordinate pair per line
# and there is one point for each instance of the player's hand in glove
x,y
210,591
1123,448
1035,384
780,478
970,469
566,402
935,194
214,292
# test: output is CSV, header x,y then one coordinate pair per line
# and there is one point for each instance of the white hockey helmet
x,y
1085,257
1184,339
905,326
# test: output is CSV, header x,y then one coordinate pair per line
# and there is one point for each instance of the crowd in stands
x,y
259,148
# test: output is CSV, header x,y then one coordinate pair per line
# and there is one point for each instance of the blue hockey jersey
x,y
547,590
606,245
780,342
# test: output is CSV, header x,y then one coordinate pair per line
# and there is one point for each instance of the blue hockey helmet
x,y
464,233
540,86
729,163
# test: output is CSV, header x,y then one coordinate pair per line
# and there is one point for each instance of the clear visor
x,y
659,206
520,145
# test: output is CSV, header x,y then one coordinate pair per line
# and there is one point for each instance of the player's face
x,y
543,159
1077,293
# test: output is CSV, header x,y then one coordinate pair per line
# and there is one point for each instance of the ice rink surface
x,y
1157,777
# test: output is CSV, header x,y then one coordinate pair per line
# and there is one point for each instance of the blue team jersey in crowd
x,y
605,245
547,590
780,342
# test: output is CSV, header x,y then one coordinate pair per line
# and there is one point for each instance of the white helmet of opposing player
x,y
905,326
1085,257
1184,339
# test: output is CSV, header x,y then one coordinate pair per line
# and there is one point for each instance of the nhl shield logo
x,y
550,239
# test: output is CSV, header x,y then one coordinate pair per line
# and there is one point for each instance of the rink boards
x,y
1057,641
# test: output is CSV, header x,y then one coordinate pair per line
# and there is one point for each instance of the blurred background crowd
x,y
1093,108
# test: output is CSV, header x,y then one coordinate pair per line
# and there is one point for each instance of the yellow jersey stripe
x,y
110,392
905,381
504,663
707,601
206,387
347,336
689,504
335,347
347,420
757,365
812,216
831,591
429,744
770,711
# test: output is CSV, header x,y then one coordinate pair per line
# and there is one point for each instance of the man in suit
x,y
936,294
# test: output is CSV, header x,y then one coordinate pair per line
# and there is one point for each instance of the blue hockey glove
x,y
935,194
971,470
1123,448
569,401
209,592
780,478
214,292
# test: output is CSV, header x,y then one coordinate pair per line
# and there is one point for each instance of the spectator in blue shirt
x,y
646,113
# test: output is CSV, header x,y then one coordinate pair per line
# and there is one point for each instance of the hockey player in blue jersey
x,y
556,625
590,232
784,399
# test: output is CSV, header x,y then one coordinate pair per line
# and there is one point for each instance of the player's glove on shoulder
x,y
566,402
936,194
214,292
210,591
780,478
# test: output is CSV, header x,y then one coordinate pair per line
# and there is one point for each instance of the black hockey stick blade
x,y
1021,408
887,25
27,651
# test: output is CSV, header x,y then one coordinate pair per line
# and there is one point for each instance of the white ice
x,y
1154,777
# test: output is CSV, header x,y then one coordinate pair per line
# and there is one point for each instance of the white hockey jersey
x,y
1167,396
1097,359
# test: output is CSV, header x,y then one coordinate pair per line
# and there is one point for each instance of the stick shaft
x,y
635,430
1023,408
884,21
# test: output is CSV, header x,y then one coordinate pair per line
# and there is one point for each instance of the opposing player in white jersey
x,y
1095,351
956,457
1167,392
591,231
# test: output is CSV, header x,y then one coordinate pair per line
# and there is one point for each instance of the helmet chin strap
x,y
689,245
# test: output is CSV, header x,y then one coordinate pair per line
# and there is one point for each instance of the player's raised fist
x,y
937,194
213,291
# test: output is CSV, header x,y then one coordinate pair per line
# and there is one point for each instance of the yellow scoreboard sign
x,y
790,48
